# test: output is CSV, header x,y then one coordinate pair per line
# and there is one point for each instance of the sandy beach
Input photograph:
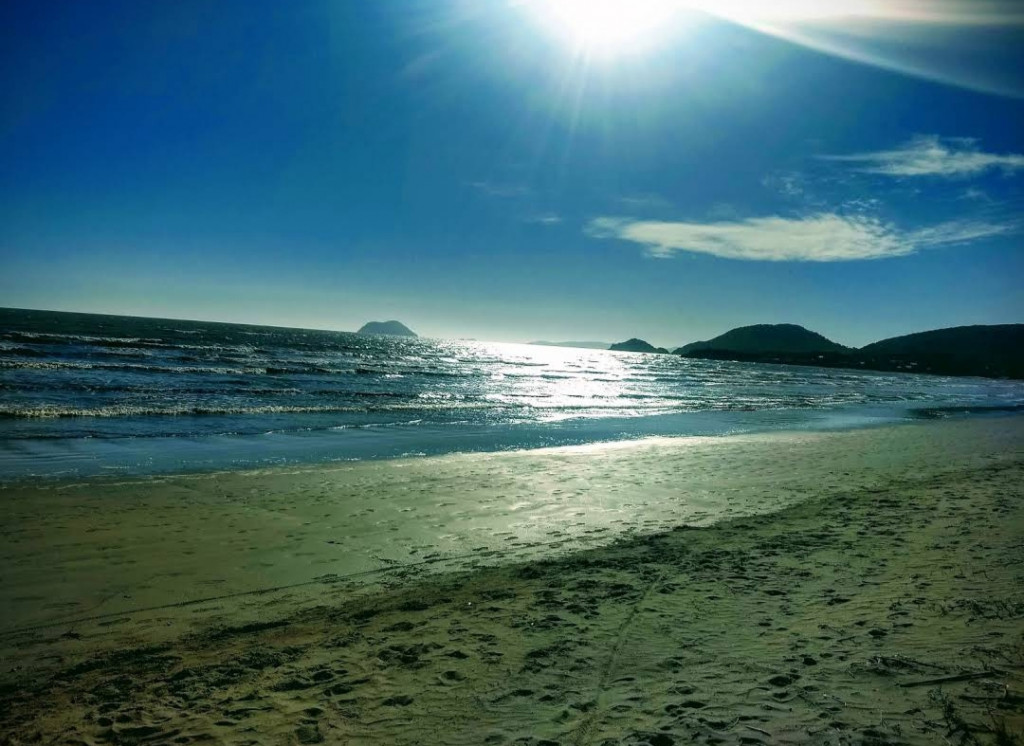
x,y
848,587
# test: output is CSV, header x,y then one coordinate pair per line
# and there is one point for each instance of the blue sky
x,y
478,169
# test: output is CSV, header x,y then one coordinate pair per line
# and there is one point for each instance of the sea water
x,y
85,395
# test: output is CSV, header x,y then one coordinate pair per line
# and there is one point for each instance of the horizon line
x,y
534,343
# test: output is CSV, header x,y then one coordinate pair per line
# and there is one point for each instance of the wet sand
x,y
855,587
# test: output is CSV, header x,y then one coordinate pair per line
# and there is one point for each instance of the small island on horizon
x,y
387,328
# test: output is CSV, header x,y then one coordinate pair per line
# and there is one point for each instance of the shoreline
x,y
30,461
115,545
887,556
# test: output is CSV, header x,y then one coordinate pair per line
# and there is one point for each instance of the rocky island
x,y
389,328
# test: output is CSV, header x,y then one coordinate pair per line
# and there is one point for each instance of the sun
x,y
606,27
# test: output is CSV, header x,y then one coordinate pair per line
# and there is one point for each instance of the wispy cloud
x,y
931,155
937,40
973,194
644,202
824,237
958,232
499,189
950,12
545,218
790,184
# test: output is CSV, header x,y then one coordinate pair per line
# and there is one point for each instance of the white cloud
x,y
825,237
931,155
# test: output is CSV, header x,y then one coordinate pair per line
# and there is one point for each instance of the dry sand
x,y
855,587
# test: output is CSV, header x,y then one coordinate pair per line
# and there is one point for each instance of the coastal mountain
x,y
766,338
390,328
636,345
583,345
971,341
996,350
992,351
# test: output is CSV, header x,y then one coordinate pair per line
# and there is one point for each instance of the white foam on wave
x,y
48,411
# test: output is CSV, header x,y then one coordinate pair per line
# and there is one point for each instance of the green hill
x,y
766,338
636,345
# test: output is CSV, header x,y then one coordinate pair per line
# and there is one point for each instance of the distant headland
x,y
390,328
767,338
636,345
995,351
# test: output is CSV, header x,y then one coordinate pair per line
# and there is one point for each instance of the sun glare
x,y
607,26
617,27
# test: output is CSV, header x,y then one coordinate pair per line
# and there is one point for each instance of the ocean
x,y
84,395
